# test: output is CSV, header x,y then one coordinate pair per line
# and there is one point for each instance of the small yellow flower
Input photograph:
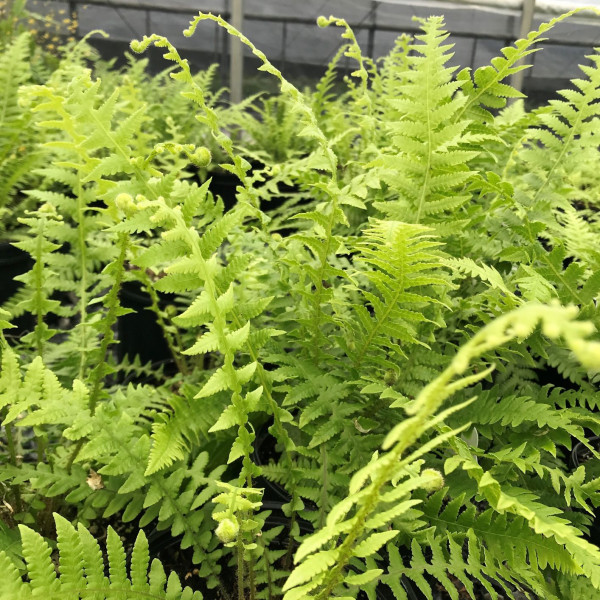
x,y
62,11
31,21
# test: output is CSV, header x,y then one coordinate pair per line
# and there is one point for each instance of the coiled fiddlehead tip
x,y
227,530
201,157
435,480
138,46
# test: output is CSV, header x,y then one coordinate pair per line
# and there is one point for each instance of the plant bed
x,y
265,452
397,341
14,262
581,456
223,185
139,332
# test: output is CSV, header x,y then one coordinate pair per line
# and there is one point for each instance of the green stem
x,y
319,283
323,507
41,448
251,576
223,590
287,562
267,569
240,567
109,320
170,338
13,459
112,304
38,273
425,186
83,283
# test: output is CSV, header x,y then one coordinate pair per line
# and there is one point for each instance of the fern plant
x,y
393,332
19,152
82,570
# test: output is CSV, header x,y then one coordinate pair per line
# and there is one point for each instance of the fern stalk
x,y
16,489
83,282
219,324
324,484
39,296
392,464
109,320
319,281
240,567
107,323
425,184
170,338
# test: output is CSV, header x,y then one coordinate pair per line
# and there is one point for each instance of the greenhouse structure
x,y
285,30
300,300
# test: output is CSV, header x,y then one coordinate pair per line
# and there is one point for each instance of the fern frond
x,y
485,89
427,161
400,260
350,515
81,568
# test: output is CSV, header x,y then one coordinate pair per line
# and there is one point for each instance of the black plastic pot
x,y
14,262
383,592
277,518
159,372
264,451
580,455
550,375
223,185
139,333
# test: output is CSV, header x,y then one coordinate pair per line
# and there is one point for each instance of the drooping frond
x,y
352,525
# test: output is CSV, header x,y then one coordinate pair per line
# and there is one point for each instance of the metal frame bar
x,y
526,22
234,12
236,53
302,21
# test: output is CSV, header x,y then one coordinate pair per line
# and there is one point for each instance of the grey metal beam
x,y
236,63
553,41
526,27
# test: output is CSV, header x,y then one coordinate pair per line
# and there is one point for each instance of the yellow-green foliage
x,y
413,326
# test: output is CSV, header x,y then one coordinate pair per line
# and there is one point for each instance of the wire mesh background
x,y
286,31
